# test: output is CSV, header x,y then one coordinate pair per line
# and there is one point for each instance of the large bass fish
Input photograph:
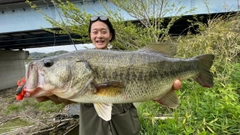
x,y
103,77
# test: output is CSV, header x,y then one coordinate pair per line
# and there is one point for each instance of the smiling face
x,y
100,35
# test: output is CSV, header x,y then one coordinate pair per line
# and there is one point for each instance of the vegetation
x,y
9,125
47,106
26,116
202,111
76,21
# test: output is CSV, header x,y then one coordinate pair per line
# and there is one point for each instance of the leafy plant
x,y
219,37
203,111
152,27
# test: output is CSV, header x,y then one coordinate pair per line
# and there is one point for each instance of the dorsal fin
x,y
167,48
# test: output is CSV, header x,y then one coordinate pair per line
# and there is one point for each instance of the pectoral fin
x,y
170,99
104,110
111,88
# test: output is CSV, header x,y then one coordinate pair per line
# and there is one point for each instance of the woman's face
x,y
100,35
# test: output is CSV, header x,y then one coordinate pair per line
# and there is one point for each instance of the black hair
x,y
107,22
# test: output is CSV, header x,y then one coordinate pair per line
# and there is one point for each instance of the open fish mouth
x,y
34,81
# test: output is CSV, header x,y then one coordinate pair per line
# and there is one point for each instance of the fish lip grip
x,y
20,92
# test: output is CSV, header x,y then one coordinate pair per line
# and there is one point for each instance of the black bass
x,y
104,77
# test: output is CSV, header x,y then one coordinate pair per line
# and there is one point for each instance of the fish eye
x,y
48,63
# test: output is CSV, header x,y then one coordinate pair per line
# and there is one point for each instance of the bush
x,y
220,37
203,111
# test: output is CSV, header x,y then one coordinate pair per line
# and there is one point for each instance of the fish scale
x,y
132,77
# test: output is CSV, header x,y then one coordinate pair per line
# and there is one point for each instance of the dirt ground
x,y
30,121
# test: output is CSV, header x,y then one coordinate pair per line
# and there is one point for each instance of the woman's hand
x,y
177,85
55,99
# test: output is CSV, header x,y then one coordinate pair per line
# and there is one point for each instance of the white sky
x,y
58,48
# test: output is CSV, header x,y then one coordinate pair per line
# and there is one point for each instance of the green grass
x,y
47,106
202,111
13,124
18,114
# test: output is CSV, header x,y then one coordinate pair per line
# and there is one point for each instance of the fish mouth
x,y
34,82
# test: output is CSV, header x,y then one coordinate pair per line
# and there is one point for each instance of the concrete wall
x,y
12,67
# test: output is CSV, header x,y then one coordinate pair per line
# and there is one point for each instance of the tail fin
x,y
205,77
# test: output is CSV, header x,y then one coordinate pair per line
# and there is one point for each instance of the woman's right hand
x,y
55,99
177,85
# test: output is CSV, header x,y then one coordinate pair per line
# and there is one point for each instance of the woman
x,y
124,116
